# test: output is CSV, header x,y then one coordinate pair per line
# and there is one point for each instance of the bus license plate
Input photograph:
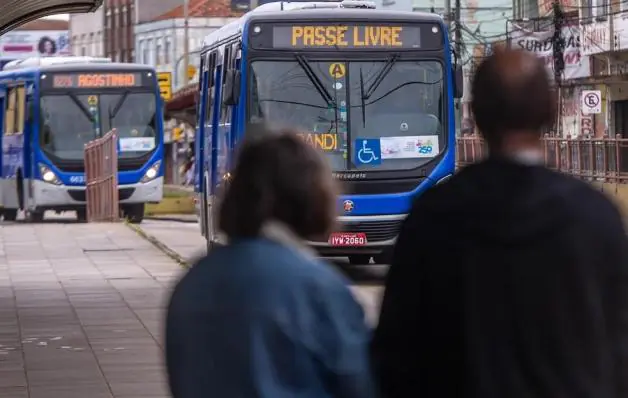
x,y
347,239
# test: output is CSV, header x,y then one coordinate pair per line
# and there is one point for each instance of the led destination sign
x,y
96,80
347,36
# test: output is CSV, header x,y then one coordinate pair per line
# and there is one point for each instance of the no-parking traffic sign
x,y
591,101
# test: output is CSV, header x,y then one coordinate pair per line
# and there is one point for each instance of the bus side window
x,y
9,111
211,84
21,106
226,64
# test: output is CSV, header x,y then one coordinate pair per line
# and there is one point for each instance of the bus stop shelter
x,y
14,13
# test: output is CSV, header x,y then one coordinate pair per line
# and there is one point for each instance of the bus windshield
x,y
70,120
364,115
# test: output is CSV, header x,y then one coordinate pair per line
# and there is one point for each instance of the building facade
x,y
120,17
605,40
40,38
160,42
87,33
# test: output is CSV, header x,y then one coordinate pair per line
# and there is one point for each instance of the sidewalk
x,y
81,311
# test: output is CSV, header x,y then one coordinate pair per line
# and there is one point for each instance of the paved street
x,y
186,240
81,309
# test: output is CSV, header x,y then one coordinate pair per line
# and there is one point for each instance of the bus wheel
x,y
384,257
9,214
35,216
81,215
359,259
134,213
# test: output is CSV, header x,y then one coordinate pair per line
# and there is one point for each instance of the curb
x,y
158,244
174,219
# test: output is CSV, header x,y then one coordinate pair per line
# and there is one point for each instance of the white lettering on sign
x,y
77,179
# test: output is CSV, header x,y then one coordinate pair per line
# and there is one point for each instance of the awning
x,y
182,106
14,13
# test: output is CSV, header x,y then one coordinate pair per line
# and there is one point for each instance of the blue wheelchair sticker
x,y
368,151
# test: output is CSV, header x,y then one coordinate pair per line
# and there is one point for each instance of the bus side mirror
x,y
458,82
231,88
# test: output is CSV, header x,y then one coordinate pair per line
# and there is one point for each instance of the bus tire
x,y
81,215
35,216
9,214
134,213
20,190
359,259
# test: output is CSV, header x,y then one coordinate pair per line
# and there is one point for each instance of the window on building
x,y
158,52
124,17
167,49
145,53
600,9
83,51
75,42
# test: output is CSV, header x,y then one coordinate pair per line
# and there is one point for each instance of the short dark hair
x,y
511,91
278,177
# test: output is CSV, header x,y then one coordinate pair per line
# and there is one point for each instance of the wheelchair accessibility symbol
x,y
368,151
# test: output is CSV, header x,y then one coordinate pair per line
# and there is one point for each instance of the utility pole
x,y
186,41
458,30
448,15
558,43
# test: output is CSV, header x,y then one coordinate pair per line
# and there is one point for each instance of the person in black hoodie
x,y
509,280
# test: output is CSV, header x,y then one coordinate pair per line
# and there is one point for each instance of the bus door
x,y
29,143
223,139
206,155
199,147
235,128
13,142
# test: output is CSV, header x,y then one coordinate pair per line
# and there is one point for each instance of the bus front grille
x,y
79,194
376,231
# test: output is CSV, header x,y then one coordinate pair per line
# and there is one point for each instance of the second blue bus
x,y
51,108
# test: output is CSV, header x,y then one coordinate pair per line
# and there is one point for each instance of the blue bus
x,y
372,90
51,107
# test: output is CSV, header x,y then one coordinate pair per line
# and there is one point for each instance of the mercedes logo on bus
x,y
348,206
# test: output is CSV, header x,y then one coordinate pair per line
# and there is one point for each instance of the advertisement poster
x,y
35,43
541,43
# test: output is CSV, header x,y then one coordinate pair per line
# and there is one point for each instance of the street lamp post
x,y
178,62
186,41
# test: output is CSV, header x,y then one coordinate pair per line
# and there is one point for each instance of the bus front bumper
x,y
381,234
60,197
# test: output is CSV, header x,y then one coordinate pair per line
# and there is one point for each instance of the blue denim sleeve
x,y
344,341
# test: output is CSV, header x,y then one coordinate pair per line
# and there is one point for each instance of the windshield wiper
x,y
363,99
318,85
112,113
379,78
119,104
81,106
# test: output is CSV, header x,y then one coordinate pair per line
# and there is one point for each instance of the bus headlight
x,y
152,172
48,175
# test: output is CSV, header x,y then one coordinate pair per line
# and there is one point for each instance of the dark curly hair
x,y
41,46
278,177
